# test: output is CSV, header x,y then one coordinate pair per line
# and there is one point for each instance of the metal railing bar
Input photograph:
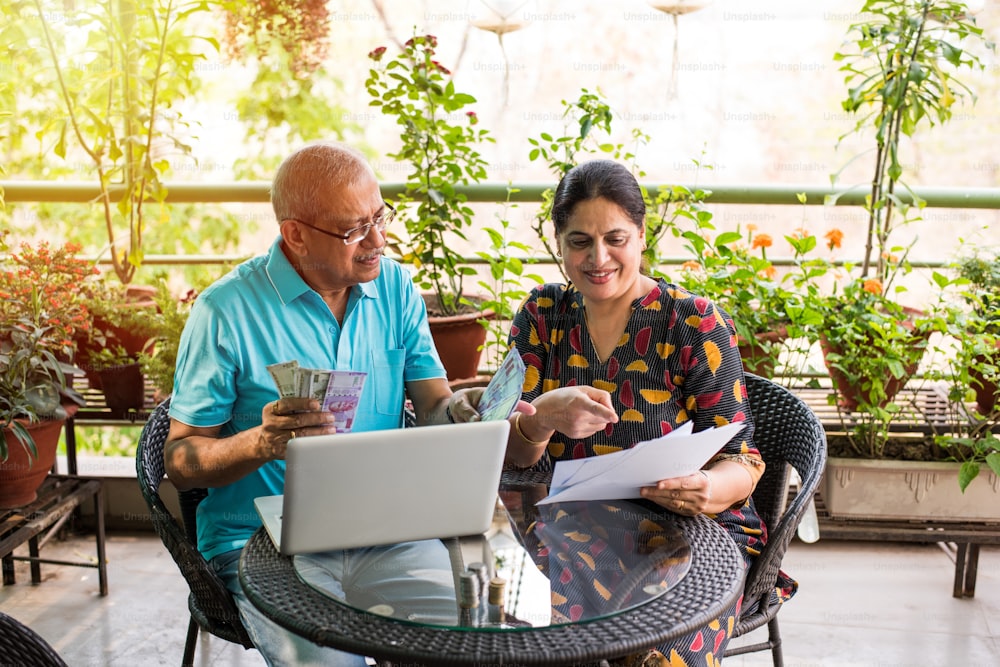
x,y
190,260
761,194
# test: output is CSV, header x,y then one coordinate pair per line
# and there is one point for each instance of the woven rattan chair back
x,y
20,645
788,435
212,607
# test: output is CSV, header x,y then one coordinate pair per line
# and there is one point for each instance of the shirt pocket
x,y
387,378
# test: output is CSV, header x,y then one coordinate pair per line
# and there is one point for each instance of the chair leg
x,y
189,645
774,638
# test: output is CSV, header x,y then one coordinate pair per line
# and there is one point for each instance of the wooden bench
x,y
58,496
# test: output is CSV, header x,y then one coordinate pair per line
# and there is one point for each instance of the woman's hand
x,y
688,495
576,412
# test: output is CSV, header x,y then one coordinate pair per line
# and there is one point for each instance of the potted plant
x,y
898,63
122,326
160,359
121,378
898,66
441,144
929,476
732,269
38,321
971,325
980,341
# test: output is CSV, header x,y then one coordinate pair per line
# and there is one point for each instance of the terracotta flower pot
x,y
850,393
20,475
755,353
458,339
124,388
985,388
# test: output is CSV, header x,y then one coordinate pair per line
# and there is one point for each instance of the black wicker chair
x,y
787,433
20,645
212,607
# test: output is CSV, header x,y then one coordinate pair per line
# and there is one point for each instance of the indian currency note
x,y
343,394
319,380
285,377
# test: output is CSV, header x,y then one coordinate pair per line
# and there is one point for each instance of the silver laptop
x,y
380,487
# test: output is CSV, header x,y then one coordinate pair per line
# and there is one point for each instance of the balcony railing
x,y
257,192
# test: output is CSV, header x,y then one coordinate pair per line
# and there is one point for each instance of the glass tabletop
x,y
545,565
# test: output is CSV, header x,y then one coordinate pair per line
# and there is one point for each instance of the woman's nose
x,y
599,253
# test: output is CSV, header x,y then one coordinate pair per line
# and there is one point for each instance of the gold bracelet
x,y
520,433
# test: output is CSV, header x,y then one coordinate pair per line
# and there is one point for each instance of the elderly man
x,y
325,296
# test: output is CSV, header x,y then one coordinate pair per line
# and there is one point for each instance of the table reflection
x,y
596,558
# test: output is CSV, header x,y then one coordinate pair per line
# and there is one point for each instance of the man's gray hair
x,y
310,170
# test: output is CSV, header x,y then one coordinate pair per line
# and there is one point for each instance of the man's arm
x,y
196,457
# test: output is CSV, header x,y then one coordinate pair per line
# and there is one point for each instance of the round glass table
x,y
619,577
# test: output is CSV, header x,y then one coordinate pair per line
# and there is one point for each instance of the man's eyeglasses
x,y
358,234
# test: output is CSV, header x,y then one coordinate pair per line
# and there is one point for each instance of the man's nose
x,y
375,238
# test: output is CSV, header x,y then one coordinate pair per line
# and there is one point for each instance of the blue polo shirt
x,y
263,313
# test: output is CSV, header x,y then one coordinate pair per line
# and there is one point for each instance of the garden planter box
x,y
869,489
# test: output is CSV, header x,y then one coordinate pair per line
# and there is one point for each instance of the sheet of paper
x,y
575,471
504,390
674,455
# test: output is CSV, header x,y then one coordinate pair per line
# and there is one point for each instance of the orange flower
x,y
834,237
872,285
751,228
690,265
892,259
770,272
762,241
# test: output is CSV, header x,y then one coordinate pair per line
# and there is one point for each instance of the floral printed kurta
x,y
677,361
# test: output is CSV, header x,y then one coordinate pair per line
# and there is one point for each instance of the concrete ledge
x,y
124,507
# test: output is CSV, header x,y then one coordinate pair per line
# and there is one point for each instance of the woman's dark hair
x,y
598,179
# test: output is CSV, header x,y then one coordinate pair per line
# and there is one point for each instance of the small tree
x,y
120,67
898,78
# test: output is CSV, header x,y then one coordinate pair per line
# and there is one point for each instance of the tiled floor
x,y
860,603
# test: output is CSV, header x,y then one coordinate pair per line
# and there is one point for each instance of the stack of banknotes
x,y
337,391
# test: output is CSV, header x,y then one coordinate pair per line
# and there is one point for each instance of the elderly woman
x,y
616,357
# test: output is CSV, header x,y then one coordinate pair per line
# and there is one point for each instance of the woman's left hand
x,y
688,495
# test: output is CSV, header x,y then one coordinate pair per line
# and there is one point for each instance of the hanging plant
x,y
298,28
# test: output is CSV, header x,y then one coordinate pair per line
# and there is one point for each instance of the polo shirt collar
x,y
289,284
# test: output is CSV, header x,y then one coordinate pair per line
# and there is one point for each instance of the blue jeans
x,y
414,578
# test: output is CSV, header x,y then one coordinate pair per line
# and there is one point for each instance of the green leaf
x,y
940,280
951,53
726,238
967,473
993,461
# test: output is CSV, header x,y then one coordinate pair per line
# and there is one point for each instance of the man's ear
x,y
291,233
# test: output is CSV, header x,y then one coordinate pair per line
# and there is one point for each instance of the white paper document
x,y
620,475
